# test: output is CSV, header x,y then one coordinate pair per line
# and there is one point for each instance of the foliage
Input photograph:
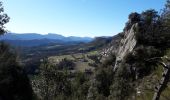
x,y
110,60
95,58
122,85
133,18
92,92
14,83
138,59
3,19
100,84
51,82
66,64
104,79
93,64
80,86
152,29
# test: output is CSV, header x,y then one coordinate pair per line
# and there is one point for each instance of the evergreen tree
x,y
14,83
3,19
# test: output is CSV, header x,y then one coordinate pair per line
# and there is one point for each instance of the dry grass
x,y
78,59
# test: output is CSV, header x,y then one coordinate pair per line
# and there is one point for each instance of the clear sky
x,y
74,17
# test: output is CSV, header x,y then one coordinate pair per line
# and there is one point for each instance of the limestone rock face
x,y
127,44
121,46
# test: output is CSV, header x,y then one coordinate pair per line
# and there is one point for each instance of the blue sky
x,y
74,17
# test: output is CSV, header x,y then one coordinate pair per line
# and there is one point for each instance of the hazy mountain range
x,y
35,39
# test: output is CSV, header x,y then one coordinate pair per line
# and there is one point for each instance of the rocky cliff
x,y
127,44
121,45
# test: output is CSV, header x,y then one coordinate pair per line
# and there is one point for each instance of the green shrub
x,y
122,86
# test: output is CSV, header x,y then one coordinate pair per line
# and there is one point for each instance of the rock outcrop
x,y
127,44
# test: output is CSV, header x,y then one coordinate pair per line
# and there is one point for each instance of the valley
x,y
31,56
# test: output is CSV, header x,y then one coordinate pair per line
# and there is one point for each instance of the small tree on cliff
x,y
133,18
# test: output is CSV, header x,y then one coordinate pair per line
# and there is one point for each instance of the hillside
x,y
147,85
142,60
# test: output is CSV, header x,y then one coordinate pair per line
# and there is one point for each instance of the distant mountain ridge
x,y
33,36
35,39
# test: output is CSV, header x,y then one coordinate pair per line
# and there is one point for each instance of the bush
x,y
104,79
133,18
66,64
122,86
51,82
95,58
110,60
138,59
